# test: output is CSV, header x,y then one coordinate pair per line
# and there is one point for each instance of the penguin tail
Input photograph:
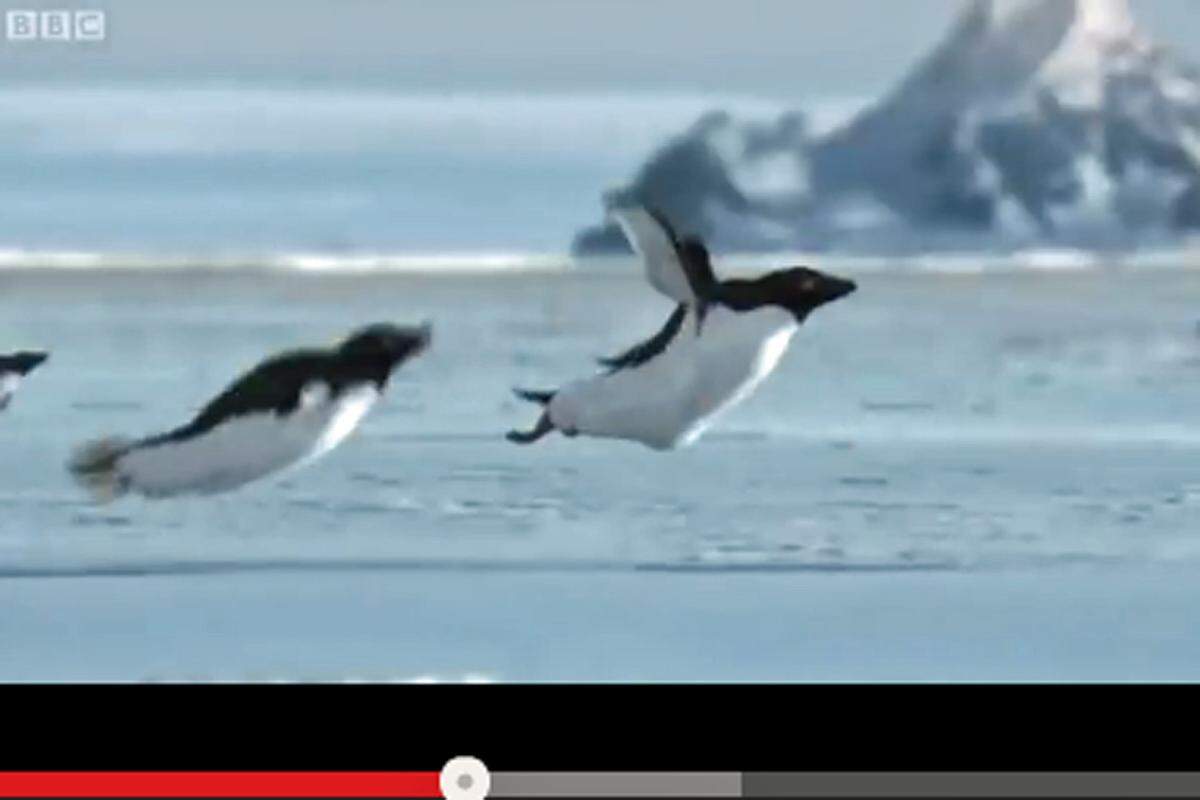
x,y
541,398
94,466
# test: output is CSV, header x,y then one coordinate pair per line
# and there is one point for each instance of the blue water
x,y
926,421
916,489
261,203
203,169
992,476
949,476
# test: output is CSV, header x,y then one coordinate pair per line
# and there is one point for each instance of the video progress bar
x,y
845,784
472,781
189,784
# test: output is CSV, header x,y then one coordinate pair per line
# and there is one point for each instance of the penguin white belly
x,y
247,447
9,381
674,397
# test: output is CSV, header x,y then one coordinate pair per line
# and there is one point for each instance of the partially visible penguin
x,y
13,369
288,411
723,340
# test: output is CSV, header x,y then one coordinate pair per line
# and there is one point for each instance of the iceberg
x,y
1054,123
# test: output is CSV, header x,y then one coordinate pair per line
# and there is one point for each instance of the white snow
x,y
1103,40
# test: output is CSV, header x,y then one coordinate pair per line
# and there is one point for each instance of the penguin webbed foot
x,y
543,427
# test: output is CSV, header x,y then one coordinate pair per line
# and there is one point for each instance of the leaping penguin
x,y
289,410
666,391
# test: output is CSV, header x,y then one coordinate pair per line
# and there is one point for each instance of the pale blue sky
x,y
776,48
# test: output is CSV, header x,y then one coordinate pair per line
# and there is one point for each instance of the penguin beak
x,y
29,361
837,288
424,337
414,341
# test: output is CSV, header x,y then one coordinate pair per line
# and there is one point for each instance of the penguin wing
x,y
667,265
641,353
697,265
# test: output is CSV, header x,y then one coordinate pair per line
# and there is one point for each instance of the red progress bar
x,y
219,784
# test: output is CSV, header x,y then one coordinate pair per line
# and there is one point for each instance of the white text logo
x,y
54,26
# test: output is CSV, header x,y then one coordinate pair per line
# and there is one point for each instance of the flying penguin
x,y
288,411
719,344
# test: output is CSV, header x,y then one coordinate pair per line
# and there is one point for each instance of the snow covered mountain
x,y
1057,122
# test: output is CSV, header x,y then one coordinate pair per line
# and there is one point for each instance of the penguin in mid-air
x,y
289,410
13,369
723,339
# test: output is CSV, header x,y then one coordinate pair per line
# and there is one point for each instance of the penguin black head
x,y
801,289
22,362
383,347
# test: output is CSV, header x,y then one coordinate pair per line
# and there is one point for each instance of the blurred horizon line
x,y
1032,260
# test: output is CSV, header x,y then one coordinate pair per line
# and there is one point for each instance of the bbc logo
x,y
54,26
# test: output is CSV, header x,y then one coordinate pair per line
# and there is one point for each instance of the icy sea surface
x,y
949,476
